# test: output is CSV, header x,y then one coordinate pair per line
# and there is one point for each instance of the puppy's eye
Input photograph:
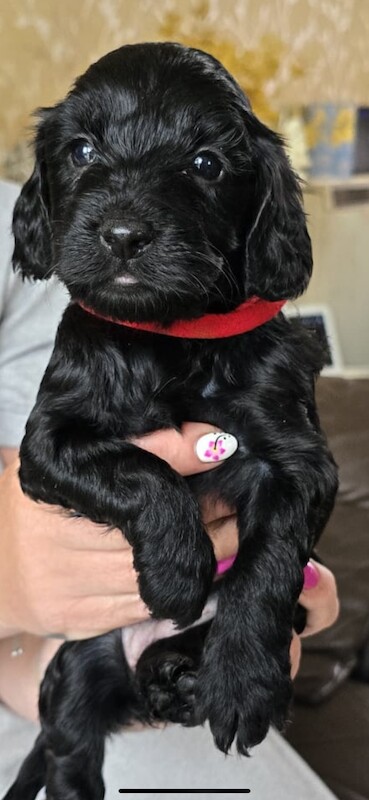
x,y
83,153
207,166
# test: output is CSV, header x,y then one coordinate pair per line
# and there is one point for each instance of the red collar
x,y
248,315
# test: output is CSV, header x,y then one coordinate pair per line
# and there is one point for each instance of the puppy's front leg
x,y
244,682
121,485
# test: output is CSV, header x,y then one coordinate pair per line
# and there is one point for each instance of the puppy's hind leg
x,y
87,693
32,775
167,675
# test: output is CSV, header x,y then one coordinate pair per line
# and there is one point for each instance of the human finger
x,y
319,597
214,510
224,536
295,654
98,572
197,447
86,617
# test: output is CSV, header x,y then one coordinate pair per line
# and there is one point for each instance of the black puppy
x,y
160,200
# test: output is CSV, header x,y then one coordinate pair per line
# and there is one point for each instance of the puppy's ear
x,y
279,257
31,225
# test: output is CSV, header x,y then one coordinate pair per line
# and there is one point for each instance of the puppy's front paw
x,y
241,694
174,559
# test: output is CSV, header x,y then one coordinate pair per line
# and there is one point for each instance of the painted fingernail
x,y
213,447
311,576
225,564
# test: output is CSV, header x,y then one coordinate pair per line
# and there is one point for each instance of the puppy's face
x,y
157,195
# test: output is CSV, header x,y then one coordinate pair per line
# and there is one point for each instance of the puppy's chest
x,y
184,386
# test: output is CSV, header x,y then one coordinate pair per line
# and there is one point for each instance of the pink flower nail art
x,y
216,446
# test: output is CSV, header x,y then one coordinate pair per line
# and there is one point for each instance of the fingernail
x,y
214,447
311,576
225,564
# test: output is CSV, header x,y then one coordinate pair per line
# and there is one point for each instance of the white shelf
x,y
340,193
329,182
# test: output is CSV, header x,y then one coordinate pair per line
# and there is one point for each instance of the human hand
x,y
319,598
60,575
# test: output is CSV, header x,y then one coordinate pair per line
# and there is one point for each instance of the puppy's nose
x,y
126,242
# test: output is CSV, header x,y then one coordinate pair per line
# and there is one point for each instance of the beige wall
x,y
340,280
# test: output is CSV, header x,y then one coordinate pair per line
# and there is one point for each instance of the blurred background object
x,y
281,51
304,65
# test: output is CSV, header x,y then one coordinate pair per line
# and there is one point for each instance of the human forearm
x,y
7,455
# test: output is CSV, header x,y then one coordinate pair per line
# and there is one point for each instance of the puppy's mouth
x,y
125,279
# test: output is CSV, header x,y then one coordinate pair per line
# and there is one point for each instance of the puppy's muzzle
x,y
126,241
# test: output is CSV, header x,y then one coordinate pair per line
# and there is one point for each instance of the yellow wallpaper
x,y
285,51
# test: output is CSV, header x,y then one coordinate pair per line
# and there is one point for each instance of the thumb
x,y
197,447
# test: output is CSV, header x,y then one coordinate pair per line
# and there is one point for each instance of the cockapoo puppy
x,y
173,217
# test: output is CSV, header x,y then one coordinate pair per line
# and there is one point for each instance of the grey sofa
x,y
330,729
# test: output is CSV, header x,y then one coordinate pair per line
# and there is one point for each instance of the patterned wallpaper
x,y
294,49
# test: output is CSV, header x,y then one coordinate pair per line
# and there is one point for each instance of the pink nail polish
x,y
225,564
311,576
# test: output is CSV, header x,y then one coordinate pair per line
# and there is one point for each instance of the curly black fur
x,y
141,209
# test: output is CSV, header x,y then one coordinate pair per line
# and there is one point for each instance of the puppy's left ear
x,y
31,225
279,257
